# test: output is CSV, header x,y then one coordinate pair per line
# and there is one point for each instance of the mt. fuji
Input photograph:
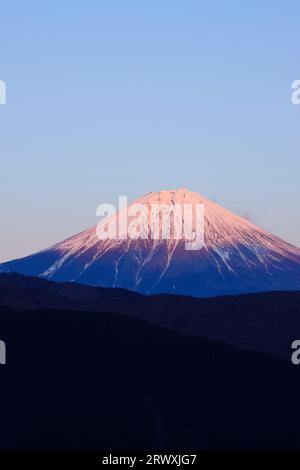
x,y
237,257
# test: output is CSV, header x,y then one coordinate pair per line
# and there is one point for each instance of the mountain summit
x,y
237,256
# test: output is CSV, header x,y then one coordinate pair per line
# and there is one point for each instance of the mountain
x,y
237,256
84,380
264,322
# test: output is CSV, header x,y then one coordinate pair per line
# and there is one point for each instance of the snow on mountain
x,y
237,256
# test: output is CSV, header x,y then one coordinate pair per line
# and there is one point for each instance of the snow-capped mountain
x,y
237,256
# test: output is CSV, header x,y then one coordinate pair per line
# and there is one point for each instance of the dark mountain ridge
x,y
80,380
266,322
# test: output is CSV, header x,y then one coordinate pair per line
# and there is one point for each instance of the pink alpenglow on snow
x,y
154,217
236,257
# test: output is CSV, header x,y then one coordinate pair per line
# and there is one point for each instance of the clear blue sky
x,y
114,97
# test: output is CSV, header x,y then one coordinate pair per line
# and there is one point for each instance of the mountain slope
x,y
237,257
265,322
79,380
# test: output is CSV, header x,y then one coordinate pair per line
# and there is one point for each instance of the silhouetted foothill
x,y
78,380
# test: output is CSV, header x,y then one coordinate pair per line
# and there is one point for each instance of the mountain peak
x,y
172,196
237,256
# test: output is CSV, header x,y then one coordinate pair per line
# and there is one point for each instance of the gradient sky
x,y
116,97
